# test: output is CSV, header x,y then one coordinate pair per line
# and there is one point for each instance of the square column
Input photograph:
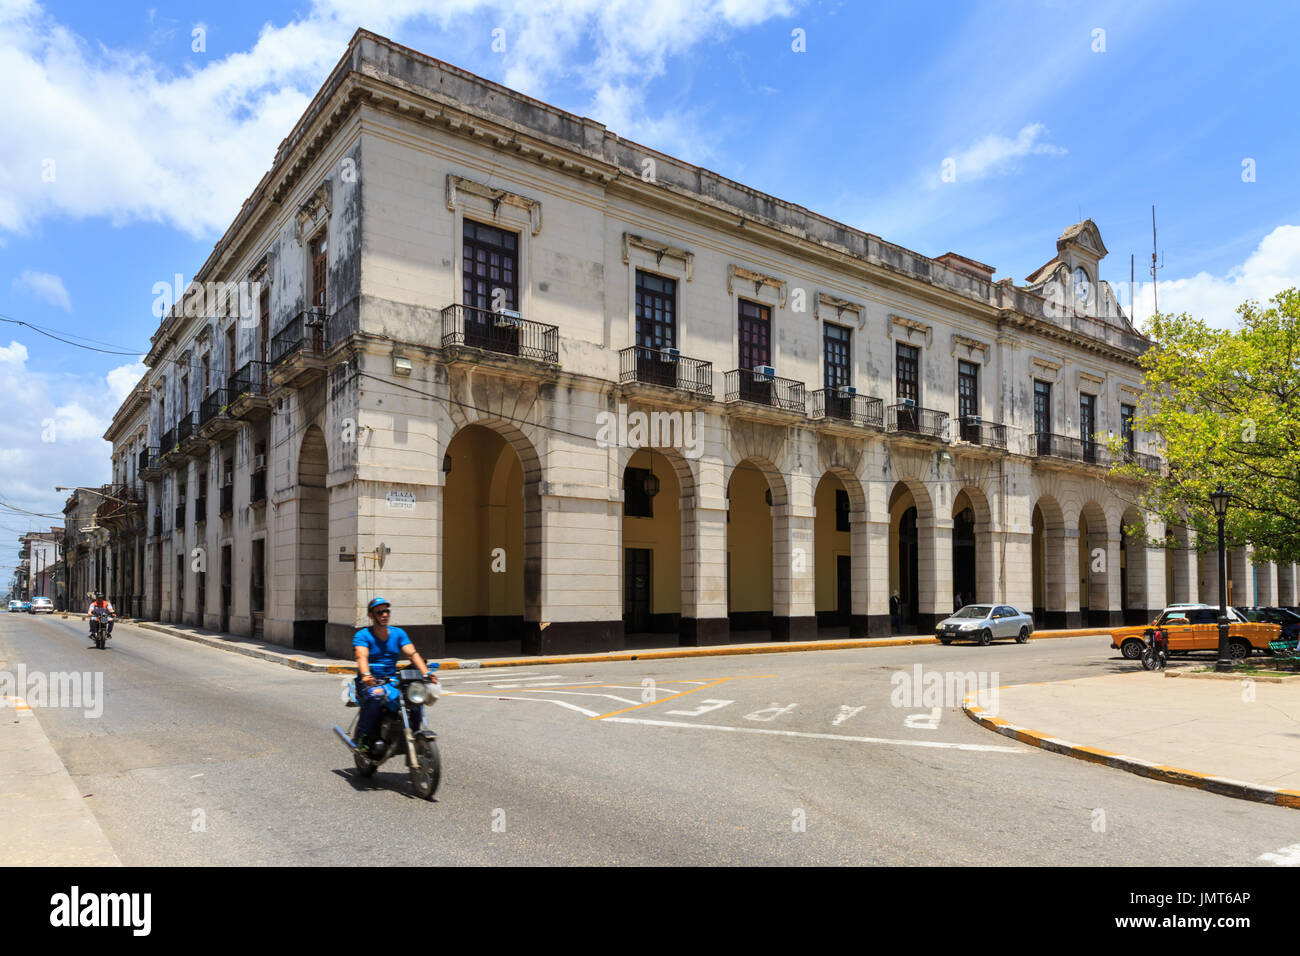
x,y
1154,596
1186,576
1286,585
794,592
1064,580
1266,575
1241,578
704,575
1015,575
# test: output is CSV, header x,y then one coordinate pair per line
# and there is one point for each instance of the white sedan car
x,y
985,623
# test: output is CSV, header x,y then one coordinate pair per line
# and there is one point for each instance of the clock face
x,y
1082,287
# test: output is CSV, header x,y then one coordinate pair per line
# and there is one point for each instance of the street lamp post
x,y
1219,499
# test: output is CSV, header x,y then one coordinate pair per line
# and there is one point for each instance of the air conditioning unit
x,y
764,373
671,355
847,390
975,419
909,402
259,463
508,319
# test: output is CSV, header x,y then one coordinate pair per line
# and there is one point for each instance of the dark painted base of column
x,y
878,625
309,636
429,639
338,640
859,625
704,631
1115,619
785,629
573,637
1069,619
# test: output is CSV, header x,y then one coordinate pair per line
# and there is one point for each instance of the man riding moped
x,y
377,649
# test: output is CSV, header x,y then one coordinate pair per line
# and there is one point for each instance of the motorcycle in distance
x,y
99,619
401,728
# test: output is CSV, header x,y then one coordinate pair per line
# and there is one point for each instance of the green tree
x,y
1225,404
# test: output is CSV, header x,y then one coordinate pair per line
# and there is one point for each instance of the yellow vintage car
x,y
1195,627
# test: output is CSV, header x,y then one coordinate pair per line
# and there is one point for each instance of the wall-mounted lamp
x,y
650,485
401,365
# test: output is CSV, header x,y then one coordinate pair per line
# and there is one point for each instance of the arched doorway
x,y
1048,565
833,553
483,539
311,594
652,551
1133,568
1094,566
749,549
911,533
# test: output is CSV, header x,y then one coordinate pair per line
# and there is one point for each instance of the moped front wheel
x,y
365,766
425,777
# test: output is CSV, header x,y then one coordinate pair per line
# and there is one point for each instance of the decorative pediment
x,y
911,328
1045,369
825,302
659,250
970,346
315,211
735,272
459,185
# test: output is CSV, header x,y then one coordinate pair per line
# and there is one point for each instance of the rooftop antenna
x,y
1155,295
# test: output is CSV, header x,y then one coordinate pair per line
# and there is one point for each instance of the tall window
x,y
185,395
755,334
264,323
1088,424
207,377
968,390
837,342
490,267
319,247
230,350
908,367
1126,426
656,311
1043,415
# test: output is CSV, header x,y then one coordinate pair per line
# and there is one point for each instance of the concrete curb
x,y
1144,768
721,650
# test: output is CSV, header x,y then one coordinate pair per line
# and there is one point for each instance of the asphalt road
x,y
205,757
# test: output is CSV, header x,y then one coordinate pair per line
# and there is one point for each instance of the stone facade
x,y
445,355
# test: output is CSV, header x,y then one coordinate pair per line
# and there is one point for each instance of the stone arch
x,y
979,581
491,508
656,555
1048,563
1097,564
312,522
757,543
919,555
1134,568
841,551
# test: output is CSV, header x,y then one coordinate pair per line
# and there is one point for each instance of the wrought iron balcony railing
x,y
1090,452
213,405
976,431
914,420
1151,463
638,363
186,426
249,379
751,385
839,405
168,444
504,333
305,332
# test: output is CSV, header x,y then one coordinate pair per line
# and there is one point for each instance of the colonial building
x,y
121,510
38,559
533,381
85,562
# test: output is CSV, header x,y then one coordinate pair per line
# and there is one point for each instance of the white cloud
x,y
994,154
51,431
112,133
1272,267
124,378
46,287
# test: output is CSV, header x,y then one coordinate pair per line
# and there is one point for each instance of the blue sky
x,y
155,144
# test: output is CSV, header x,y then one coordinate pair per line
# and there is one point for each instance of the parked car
x,y
15,606
1289,621
985,623
41,605
1195,627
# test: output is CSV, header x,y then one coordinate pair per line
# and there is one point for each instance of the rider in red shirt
x,y
103,605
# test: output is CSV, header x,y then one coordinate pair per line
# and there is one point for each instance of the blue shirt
x,y
383,657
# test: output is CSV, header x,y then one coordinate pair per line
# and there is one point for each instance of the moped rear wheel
x,y
425,778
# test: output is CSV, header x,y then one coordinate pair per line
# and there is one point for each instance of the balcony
x,y
257,488
148,467
1091,452
215,420
470,334
765,397
227,502
188,438
974,430
248,393
167,449
1149,463
663,372
119,511
200,510
906,418
298,350
838,405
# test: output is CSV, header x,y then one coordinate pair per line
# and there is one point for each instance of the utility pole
x,y
1154,267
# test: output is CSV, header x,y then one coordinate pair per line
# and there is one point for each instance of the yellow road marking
x,y
651,703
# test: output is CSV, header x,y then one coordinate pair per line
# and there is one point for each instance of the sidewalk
x,y
640,648
44,820
1221,735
